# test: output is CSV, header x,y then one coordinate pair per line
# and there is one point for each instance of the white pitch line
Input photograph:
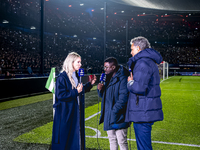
x,y
180,90
166,79
159,142
97,131
171,143
92,116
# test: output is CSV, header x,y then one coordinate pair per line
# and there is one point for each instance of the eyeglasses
x,y
105,67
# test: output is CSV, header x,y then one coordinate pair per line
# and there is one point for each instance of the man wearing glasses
x,y
114,96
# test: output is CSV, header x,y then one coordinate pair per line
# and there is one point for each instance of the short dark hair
x,y
112,60
141,41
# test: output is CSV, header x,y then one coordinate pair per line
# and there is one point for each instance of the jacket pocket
x,y
116,118
137,103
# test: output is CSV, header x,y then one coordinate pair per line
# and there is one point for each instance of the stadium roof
x,y
166,5
172,5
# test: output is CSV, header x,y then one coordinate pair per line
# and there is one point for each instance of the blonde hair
x,y
68,66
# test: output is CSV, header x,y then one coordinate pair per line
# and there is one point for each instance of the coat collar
x,y
149,53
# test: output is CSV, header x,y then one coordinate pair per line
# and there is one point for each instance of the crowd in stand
x,y
70,30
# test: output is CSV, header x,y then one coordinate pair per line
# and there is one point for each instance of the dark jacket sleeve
x,y
64,91
141,76
100,92
87,87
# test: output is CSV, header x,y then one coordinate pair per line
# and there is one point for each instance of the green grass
x,y
25,101
181,124
41,135
181,106
29,100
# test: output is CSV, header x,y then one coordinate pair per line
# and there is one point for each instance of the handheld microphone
x,y
103,77
80,73
129,69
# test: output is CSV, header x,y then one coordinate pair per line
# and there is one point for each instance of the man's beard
x,y
109,76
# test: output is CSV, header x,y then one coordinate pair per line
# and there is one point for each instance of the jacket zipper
x,y
137,101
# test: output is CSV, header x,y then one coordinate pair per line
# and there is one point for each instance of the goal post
x,y
163,70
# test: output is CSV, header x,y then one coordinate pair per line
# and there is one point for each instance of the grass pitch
x,y
180,129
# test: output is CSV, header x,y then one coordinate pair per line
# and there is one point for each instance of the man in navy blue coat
x,y
114,96
144,104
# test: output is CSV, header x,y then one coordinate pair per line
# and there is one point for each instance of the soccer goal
x,y
163,70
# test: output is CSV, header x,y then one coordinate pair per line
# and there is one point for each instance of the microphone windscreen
x,y
81,72
130,69
103,77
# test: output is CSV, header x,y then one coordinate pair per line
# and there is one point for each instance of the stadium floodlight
x,y
94,38
5,21
33,28
163,70
81,4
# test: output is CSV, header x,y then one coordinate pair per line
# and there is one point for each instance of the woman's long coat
x,y
66,124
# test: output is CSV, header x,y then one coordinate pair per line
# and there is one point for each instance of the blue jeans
x,y
143,135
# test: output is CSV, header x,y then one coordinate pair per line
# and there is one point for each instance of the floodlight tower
x,y
105,15
126,39
42,38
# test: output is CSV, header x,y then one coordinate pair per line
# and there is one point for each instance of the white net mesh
x,y
163,70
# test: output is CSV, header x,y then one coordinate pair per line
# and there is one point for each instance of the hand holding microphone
x,y
102,79
80,73
100,86
79,87
130,77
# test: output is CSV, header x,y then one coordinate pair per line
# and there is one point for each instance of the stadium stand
x,y
174,35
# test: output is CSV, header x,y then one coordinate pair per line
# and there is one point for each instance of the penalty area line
x,y
159,142
166,79
92,116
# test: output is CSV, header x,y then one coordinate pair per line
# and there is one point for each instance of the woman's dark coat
x,y
114,100
66,122
144,103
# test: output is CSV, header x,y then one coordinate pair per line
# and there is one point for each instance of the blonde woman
x,y
66,125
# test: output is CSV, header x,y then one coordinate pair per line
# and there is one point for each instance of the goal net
x,y
163,70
